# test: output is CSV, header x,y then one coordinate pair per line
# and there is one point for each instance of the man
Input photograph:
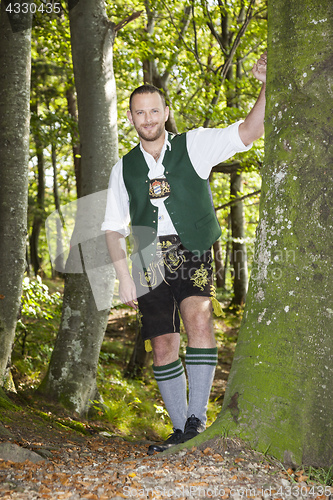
x,y
160,187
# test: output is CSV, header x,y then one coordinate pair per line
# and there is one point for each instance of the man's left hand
x,y
259,69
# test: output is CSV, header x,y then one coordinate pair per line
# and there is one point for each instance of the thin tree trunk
x,y
139,357
219,268
239,254
71,377
15,64
38,210
59,221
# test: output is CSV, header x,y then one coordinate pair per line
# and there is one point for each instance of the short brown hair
x,y
146,89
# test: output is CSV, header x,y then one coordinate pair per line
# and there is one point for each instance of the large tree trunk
x,y
15,64
279,393
239,254
71,378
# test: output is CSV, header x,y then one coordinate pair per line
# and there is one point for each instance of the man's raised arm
x,y
252,127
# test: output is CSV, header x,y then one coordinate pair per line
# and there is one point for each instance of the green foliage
x,y
37,302
129,405
36,331
52,127
323,476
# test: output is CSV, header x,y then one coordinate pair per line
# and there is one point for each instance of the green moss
x,y
6,404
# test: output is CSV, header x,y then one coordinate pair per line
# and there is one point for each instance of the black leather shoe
x,y
175,438
193,427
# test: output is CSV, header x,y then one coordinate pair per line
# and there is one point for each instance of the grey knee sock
x,y
200,367
171,382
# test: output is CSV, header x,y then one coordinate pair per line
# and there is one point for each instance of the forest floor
x,y
47,454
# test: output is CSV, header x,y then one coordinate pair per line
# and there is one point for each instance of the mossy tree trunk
x,y
279,393
71,377
15,64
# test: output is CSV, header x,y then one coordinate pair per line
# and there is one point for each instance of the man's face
x,y
148,115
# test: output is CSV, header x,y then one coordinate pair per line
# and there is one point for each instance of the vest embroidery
x,y
159,188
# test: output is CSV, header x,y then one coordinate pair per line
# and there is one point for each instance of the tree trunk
x,y
71,377
38,210
219,268
279,393
239,254
139,358
60,220
15,64
71,106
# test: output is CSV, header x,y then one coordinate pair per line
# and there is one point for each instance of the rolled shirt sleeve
x,y
209,146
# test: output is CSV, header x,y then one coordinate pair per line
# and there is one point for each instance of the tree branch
x,y
127,20
237,200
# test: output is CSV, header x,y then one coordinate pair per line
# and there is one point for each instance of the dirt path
x,y
103,468
97,466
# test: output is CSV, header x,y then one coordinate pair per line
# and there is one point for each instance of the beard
x,y
150,136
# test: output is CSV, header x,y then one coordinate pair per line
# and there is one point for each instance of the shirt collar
x,y
167,144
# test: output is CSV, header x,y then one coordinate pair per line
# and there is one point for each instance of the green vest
x,y
189,204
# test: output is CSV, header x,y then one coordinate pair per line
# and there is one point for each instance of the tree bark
x,y
72,110
219,267
71,377
279,393
60,219
38,209
239,253
15,63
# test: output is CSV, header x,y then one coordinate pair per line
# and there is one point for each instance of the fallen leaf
x,y
302,479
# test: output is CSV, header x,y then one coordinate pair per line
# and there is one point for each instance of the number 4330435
x,y
32,7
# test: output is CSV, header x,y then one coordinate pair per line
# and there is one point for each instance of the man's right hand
x,y
127,291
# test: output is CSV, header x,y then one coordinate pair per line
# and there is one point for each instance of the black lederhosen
x,y
175,274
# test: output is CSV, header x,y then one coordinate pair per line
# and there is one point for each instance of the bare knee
x,y
197,317
165,348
